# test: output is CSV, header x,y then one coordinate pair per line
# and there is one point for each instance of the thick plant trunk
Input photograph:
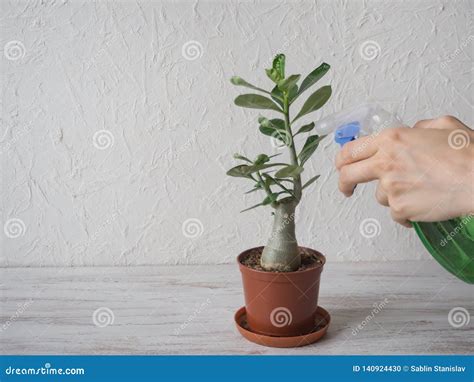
x,y
281,253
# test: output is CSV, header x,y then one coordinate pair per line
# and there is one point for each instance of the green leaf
x,y
306,128
241,157
273,75
245,171
277,72
252,190
279,64
275,123
240,171
261,159
274,155
311,181
291,170
272,181
315,101
270,199
314,77
256,187
266,130
273,128
269,181
251,208
283,137
277,96
286,84
285,180
237,81
293,94
309,147
255,101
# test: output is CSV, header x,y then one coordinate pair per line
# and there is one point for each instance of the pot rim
x,y
312,269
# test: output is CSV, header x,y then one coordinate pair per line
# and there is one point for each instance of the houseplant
x,y
281,280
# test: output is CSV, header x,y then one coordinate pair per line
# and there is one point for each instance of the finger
x,y
355,173
399,219
359,149
424,124
404,223
447,122
381,195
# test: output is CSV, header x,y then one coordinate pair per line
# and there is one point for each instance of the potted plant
x,y
281,280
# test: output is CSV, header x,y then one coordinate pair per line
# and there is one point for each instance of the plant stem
x,y
267,189
297,188
281,252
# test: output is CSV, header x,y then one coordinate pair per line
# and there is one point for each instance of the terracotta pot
x,y
281,304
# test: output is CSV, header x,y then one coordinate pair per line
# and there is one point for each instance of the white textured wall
x,y
82,67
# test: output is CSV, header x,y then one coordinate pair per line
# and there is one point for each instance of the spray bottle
x,y
450,242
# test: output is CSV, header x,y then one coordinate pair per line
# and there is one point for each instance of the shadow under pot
x,y
281,303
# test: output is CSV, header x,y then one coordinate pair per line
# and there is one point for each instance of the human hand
x,y
425,173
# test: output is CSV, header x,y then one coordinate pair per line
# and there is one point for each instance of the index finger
x,y
357,150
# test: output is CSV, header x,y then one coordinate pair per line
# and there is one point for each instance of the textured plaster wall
x,y
118,121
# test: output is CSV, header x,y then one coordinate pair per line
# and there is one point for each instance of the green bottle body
x,y
451,243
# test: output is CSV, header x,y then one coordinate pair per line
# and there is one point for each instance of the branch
x,y
297,189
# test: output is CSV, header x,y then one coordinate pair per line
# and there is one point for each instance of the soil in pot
x,y
308,260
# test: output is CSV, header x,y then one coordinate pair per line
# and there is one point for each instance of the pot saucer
x,y
321,321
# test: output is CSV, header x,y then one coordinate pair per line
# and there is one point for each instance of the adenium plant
x,y
282,182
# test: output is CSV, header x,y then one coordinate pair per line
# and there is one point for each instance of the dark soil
x,y
308,260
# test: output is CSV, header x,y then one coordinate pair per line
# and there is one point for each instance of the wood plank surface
x,y
189,310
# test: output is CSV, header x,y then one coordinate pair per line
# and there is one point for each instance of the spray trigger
x,y
346,133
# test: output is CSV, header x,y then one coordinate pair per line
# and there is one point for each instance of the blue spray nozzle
x,y
347,132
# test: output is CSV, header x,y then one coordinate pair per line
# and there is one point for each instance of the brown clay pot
x,y
281,304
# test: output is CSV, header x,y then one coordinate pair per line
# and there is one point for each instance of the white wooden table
x,y
189,310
